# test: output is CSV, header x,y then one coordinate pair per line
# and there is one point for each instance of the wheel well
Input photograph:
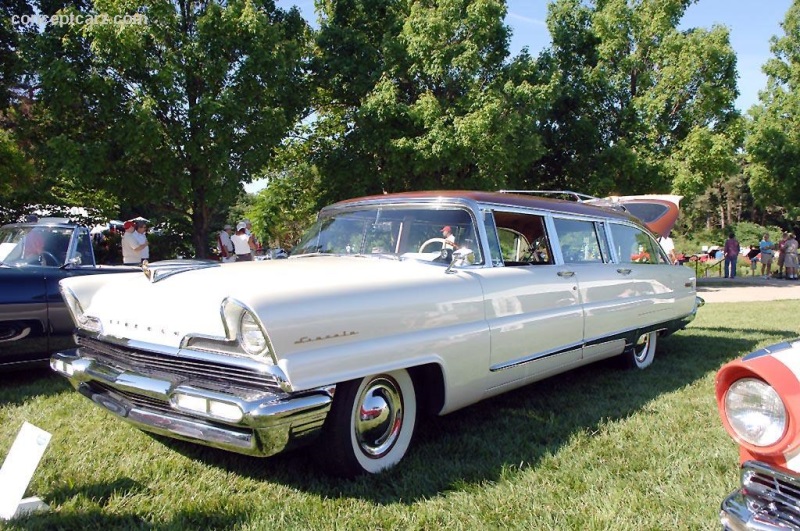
x,y
429,386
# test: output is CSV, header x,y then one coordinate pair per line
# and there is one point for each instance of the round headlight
x,y
252,339
755,412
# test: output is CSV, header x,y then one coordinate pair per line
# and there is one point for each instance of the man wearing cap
x,y
131,250
449,238
225,244
242,243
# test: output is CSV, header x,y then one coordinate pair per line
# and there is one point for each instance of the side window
x,y
523,239
633,245
494,240
84,249
578,241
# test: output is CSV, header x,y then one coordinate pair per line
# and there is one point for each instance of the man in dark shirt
x,y
731,253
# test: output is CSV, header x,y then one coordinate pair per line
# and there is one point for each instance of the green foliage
x,y
436,107
172,115
635,98
286,207
773,143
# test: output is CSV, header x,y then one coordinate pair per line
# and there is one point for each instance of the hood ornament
x,y
160,270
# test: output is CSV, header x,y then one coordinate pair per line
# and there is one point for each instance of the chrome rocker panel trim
x,y
766,501
270,424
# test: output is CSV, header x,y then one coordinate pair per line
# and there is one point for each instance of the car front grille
x,y
781,491
195,369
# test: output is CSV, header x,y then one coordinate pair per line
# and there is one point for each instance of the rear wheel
x,y
643,351
370,425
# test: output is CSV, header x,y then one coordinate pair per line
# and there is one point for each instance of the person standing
x,y
767,249
140,237
242,243
790,258
669,247
753,255
131,248
731,253
225,244
781,255
249,230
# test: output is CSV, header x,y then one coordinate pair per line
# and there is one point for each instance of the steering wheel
x,y
432,240
46,255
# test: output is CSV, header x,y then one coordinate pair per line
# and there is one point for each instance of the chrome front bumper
x,y
768,500
269,422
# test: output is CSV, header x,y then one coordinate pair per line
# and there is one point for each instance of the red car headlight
x,y
755,412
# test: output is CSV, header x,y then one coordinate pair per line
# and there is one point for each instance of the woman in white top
x,y
242,243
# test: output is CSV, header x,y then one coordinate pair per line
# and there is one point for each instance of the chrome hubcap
x,y
379,417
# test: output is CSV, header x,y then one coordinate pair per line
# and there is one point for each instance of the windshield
x,y
25,245
405,232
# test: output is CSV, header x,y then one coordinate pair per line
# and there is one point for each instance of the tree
x,y
175,109
629,89
416,95
773,142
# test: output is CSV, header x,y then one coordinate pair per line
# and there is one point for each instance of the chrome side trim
x,y
537,356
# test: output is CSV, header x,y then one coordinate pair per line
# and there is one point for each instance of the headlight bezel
x,y
755,412
243,326
79,317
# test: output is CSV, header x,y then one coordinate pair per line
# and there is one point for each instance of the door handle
x,y
566,274
622,271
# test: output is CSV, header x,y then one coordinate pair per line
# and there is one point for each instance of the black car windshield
x,y
404,232
34,245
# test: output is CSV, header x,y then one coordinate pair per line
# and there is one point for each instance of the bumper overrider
x,y
768,500
198,397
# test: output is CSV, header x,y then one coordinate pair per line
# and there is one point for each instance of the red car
x,y
759,402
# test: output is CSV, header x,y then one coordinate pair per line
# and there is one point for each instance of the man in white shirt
x,y
449,238
131,252
225,244
669,247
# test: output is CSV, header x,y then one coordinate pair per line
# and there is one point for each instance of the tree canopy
x,y
170,110
773,142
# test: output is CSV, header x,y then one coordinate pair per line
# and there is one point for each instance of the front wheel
x,y
370,425
642,353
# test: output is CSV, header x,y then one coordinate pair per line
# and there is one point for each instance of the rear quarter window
x,y
634,245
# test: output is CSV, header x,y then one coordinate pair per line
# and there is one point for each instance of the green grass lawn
x,y
597,448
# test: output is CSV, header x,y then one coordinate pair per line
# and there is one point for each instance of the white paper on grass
x,y
19,466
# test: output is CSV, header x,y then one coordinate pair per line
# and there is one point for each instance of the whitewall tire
x,y
370,424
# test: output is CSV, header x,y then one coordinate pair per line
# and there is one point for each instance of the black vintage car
x,y
34,257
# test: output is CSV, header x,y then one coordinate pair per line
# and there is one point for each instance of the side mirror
x,y
461,257
74,261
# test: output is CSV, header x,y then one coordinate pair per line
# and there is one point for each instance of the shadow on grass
x,y
464,450
97,519
514,430
18,386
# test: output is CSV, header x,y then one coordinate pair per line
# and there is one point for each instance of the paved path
x,y
747,288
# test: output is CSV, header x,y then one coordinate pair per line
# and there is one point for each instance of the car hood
x,y
302,302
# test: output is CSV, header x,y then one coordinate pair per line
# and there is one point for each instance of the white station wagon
x,y
379,315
